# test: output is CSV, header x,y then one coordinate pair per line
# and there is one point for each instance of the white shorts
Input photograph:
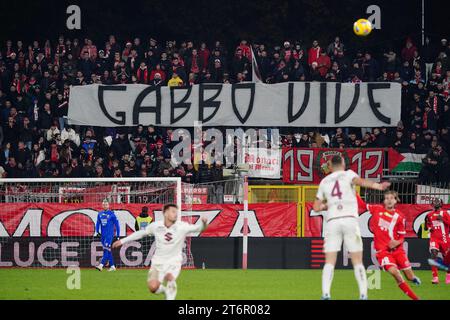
x,y
159,271
340,230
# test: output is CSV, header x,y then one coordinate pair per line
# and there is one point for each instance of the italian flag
x,y
411,162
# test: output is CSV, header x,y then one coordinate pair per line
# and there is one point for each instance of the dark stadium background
x,y
230,21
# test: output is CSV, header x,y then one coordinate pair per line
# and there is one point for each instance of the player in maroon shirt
x,y
388,227
438,222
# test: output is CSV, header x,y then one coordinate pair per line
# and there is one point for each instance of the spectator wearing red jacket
x,y
246,51
324,63
287,51
314,52
91,49
159,71
204,55
195,62
142,74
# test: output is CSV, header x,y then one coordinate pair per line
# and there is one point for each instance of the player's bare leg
x,y
401,282
409,274
171,287
447,262
153,284
434,270
360,273
327,274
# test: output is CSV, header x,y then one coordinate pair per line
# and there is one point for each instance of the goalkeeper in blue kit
x,y
108,227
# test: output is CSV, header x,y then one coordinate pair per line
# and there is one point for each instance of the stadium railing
x,y
412,192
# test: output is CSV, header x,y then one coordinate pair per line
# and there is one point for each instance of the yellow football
x,y
362,27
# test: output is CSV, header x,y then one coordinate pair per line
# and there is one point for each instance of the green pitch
x,y
204,284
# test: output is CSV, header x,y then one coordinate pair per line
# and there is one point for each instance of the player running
x,y
170,235
106,221
438,222
337,196
388,227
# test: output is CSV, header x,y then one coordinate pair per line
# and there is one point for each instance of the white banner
x,y
263,163
290,104
426,194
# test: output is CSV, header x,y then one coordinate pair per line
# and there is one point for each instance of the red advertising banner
x,y
414,214
309,166
72,219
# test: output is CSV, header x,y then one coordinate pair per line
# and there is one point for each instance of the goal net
x,y
51,222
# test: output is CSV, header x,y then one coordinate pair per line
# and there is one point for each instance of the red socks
x,y
434,271
407,290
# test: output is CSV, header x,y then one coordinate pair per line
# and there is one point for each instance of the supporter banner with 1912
x,y
309,166
71,219
415,214
243,104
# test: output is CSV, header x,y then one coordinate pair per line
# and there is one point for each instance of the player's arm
x,y
400,230
396,242
371,208
365,183
446,217
97,225
319,203
117,225
135,236
191,228
362,203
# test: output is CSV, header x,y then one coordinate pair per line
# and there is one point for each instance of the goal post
x,y
245,227
50,222
71,181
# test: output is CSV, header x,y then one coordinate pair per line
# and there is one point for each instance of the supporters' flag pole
x,y
394,158
245,231
256,76
423,22
179,198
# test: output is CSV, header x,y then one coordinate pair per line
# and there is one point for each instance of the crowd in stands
x,y
35,81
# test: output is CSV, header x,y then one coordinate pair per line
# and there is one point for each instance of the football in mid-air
x,y
362,27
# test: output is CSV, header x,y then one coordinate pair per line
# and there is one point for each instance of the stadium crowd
x,y
35,82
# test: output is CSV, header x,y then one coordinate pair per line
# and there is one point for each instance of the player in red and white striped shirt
x,y
388,227
438,222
